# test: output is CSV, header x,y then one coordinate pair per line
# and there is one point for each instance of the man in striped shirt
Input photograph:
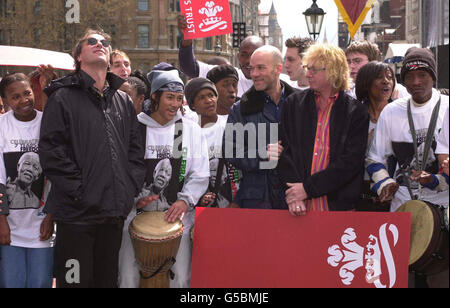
x,y
324,134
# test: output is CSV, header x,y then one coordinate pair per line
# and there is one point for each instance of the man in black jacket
x,y
251,141
324,134
90,150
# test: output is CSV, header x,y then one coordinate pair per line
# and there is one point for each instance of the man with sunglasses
x,y
91,152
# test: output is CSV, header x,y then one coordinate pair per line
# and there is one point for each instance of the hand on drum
x,y
143,202
388,192
176,211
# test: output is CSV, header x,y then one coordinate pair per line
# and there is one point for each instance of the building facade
x,y
145,29
269,28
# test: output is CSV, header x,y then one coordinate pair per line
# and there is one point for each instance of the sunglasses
x,y
93,41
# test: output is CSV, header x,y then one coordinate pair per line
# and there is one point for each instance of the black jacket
x,y
90,149
258,185
349,124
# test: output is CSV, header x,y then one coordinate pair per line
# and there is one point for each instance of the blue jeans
x,y
26,267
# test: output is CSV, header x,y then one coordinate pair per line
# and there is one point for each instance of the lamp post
x,y
314,19
218,48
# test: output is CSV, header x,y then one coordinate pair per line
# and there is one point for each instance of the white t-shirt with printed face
x,y
21,172
214,135
392,137
160,144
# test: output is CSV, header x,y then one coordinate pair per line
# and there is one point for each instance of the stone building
x,y
269,28
145,29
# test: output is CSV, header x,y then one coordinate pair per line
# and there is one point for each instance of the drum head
x,y
422,227
153,226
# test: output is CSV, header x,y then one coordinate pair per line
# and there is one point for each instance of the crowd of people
x,y
91,150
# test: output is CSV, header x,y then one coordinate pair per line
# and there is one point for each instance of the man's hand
x,y
207,199
274,151
176,211
297,208
422,177
296,192
47,227
182,25
388,192
295,198
5,232
143,202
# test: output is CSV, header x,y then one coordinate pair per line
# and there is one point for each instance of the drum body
x,y
155,244
429,244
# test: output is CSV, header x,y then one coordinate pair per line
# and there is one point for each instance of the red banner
x,y
206,18
238,248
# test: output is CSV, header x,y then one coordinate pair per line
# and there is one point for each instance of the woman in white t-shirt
x,y
26,255
375,84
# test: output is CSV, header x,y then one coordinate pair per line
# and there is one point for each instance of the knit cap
x,y
221,72
169,80
419,58
196,85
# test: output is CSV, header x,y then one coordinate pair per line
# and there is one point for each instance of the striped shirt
x,y
321,156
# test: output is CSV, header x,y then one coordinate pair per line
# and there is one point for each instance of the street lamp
x,y
314,19
218,48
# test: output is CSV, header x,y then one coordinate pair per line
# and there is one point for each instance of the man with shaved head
x,y
194,68
259,108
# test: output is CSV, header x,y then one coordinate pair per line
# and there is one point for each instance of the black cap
x,y
221,72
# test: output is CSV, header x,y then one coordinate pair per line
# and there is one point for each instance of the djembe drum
x,y
156,244
429,244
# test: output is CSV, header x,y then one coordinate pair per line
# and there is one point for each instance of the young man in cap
x,y
407,129
393,133
226,79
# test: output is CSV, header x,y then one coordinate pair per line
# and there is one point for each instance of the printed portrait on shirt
x,y
24,180
157,183
219,183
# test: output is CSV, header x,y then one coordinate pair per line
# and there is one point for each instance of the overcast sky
x,y
293,22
